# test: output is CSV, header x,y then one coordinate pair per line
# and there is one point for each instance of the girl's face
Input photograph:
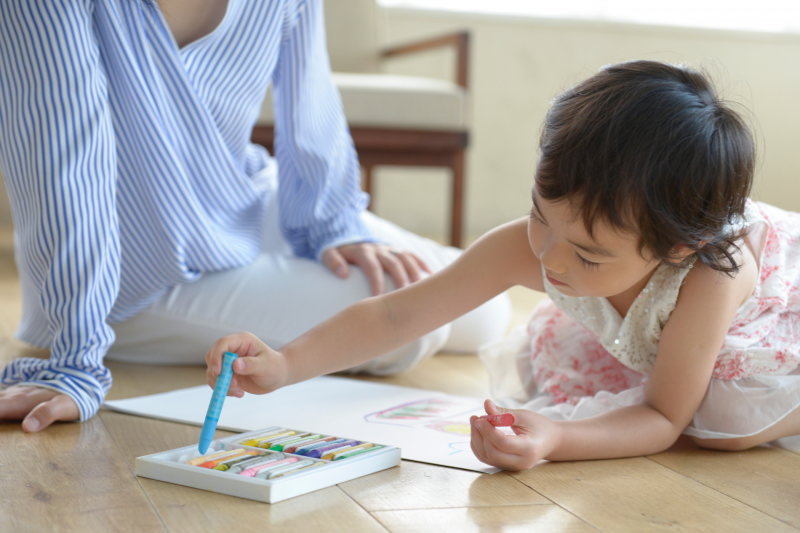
x,y
607,265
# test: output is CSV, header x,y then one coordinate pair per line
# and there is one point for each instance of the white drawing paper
x,y
428,426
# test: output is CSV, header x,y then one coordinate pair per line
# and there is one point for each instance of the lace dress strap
x,y
633,340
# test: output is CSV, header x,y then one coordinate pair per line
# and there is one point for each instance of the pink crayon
x,y
505,419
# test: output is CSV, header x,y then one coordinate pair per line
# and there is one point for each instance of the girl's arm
x,y
689,346
376,325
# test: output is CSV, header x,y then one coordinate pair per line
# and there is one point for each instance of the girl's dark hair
x,y
650,148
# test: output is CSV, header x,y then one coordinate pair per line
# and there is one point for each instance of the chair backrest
x,y
353,28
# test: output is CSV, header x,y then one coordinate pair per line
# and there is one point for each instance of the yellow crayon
x,y
212,456
263,439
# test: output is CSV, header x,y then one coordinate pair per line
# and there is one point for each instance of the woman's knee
x,y
406,357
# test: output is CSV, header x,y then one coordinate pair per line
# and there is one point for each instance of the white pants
x,y
279,296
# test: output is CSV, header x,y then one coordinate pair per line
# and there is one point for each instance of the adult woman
x,y
142,212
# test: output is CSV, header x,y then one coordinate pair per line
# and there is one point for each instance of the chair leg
x,y
368,184
457,200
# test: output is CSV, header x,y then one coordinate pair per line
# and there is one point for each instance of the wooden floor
x,y
79,477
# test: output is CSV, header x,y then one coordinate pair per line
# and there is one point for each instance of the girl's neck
x,y
622,302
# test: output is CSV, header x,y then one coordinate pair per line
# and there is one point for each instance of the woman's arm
x,y
320,193
57,156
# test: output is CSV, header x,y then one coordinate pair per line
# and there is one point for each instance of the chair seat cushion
x,y
393,101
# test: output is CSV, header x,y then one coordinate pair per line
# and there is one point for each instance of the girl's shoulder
x,y
704,284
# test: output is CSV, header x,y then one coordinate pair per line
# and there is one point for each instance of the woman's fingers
x,y
58,408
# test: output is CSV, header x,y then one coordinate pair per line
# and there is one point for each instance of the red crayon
x,y
505,419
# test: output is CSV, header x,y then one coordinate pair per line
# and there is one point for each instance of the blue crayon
x,y
217,399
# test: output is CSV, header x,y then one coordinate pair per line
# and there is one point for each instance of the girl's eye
x,y
535,216
585,262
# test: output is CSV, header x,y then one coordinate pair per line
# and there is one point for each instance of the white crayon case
x,y
313,462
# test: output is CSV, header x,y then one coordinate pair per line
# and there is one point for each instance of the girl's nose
x,y
553,256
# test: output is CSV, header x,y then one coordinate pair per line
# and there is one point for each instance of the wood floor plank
x,y
765,478
506,519
70,478
10,292
9,309
194,510
132,380
422,486
187,509
638,494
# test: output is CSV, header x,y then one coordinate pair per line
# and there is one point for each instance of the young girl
x,y
674,304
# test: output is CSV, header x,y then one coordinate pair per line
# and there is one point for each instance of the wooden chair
x,y
395,120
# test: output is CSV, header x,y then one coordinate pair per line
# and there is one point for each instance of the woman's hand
x,y
258,369
37,407
375,259
535,437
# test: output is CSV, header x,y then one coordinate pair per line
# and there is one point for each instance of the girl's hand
x,y
258,369
535,437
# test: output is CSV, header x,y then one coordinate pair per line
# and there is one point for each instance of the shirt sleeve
x,y
58,160
319,191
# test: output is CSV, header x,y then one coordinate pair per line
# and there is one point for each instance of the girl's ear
x,y
680,252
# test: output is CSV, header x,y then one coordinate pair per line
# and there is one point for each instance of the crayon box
x,y
269,465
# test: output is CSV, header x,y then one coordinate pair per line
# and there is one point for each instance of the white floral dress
x,y
578,357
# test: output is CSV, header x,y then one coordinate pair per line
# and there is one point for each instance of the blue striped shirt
x,y
129,167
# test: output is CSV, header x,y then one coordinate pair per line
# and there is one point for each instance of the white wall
x,y
519,64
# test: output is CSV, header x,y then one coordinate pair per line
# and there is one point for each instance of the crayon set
x,y
271,464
